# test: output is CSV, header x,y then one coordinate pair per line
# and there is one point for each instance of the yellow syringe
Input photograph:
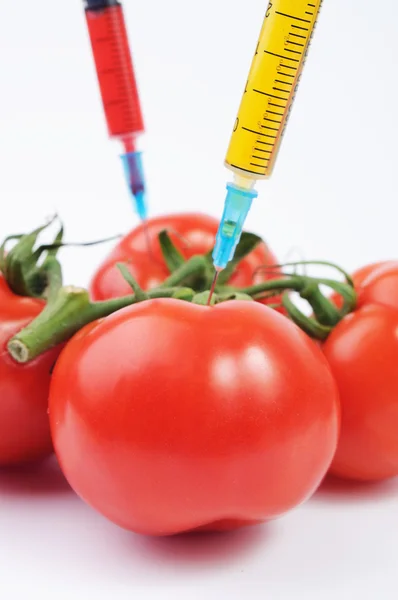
x,y
264,111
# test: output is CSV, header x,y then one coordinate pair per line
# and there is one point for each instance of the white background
x,y
333,196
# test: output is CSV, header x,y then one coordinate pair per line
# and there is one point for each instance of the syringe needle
x,y
213,287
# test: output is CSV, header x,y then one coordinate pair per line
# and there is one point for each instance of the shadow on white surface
x,y
42,479
206,549
335,490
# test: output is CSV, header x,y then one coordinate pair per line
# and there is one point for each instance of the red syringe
x,y
118,86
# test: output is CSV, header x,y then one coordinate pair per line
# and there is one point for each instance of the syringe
x,y
117,82
264,111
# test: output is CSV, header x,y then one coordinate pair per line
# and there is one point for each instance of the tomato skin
x,y
380,286
367,278
363,273
168,417
362,352
24,426
191,233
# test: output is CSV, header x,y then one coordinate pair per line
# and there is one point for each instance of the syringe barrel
x,y
271,87
114,66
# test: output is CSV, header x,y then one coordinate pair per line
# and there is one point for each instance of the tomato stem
x,y
327,313
310,326
193,273
171,255
65,314
295,283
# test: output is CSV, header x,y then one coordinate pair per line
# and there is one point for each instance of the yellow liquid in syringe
x,y
271,87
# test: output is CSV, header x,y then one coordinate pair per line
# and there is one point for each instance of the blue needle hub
x,y
236,208
134,173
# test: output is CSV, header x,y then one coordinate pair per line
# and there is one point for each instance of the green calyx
x,y
68,309
31,271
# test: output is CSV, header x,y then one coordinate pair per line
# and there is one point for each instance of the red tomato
x,y
191,233
24,427
168,417
362,352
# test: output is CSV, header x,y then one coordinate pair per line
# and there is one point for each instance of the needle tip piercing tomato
x,y
168,416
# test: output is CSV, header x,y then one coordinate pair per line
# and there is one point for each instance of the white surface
x,y
333,195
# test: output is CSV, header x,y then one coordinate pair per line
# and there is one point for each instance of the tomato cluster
x,y
169,415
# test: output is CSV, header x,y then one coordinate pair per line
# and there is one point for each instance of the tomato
x,y
24,427
191,233
362,352
168,416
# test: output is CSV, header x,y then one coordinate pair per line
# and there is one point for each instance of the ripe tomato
x,y
24,427
362,352
191,233
168,417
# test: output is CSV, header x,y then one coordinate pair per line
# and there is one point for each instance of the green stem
x,y
347,292
308,325
321,263
288,283
195,268
137,289
324,310
64,315
172,256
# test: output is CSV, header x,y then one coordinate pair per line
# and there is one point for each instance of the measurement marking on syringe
x,y
287,66
277,105
282,56
264,143
298,27
256,165
260,158
273,120
248,170
309,13
270,128
265,151
292,17
257,132
293,51
303,37
284,82
286,74
271,96
313,5
272,112
295,44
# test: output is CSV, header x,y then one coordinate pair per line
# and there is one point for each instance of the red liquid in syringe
x,y
115,73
